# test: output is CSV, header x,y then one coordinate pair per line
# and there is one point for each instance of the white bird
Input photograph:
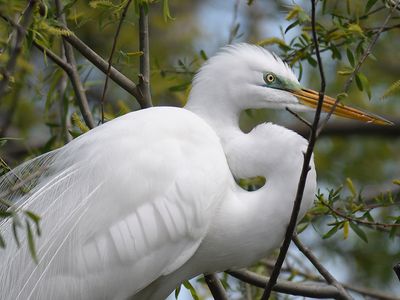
x,y
139,204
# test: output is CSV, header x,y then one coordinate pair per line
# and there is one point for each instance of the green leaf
x,y
345,230
350,186
36,219
5,214
359,83
166,12
292,25
346,71
358,231
190,287
177,291
394,87
369,5
15,224
2,242
331,232
274,40
350,57
31,241
365,83
203,55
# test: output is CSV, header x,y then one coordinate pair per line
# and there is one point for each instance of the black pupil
x,y
270,78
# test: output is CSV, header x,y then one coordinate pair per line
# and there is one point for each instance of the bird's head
x,y
245,76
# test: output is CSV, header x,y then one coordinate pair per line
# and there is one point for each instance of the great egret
x,y
137,205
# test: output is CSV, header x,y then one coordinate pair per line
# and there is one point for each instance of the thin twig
x,y
304,121
64,120
321,269
121,20
304,172
54,57
358,66
216,287
363,222
359,290
312,290
74,77
144,76
15,51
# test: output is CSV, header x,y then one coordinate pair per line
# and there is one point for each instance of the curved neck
x,y
211,106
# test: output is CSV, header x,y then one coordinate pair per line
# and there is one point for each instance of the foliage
x,y
40,112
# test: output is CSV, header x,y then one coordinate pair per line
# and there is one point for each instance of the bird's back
x,y
121,205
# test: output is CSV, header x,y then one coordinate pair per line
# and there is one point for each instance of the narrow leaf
x,y
350,57
345,230
331,232
31,241
166,12
36,219
177,291
2,242
191,289
358,231
350,186
369,5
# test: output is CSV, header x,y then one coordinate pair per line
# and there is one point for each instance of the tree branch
x,y
102,65
216,287
312,290
350,128
121,20
321,269
144,76
304,172
74,76
16,50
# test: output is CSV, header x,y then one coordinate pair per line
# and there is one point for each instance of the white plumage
x,y
139,204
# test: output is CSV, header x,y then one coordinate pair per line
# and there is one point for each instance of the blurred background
x,y
32,112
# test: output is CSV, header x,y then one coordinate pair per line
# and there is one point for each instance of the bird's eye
x,y
269,78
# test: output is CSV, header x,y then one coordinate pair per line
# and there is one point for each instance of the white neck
x,y
211,105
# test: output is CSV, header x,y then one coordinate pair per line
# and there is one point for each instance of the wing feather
x,y
121,205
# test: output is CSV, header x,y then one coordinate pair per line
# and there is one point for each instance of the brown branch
x,y
15,51
321,269
144,76
216,287
121,20
304,172
312,290
74,76
119,78
359,221
359,290
350,128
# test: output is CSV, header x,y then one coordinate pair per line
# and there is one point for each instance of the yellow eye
x,y
269,78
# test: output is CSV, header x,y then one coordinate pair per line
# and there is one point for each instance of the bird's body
x,y
137,205
117,226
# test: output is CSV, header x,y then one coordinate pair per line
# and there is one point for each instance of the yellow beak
x,y
310,98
